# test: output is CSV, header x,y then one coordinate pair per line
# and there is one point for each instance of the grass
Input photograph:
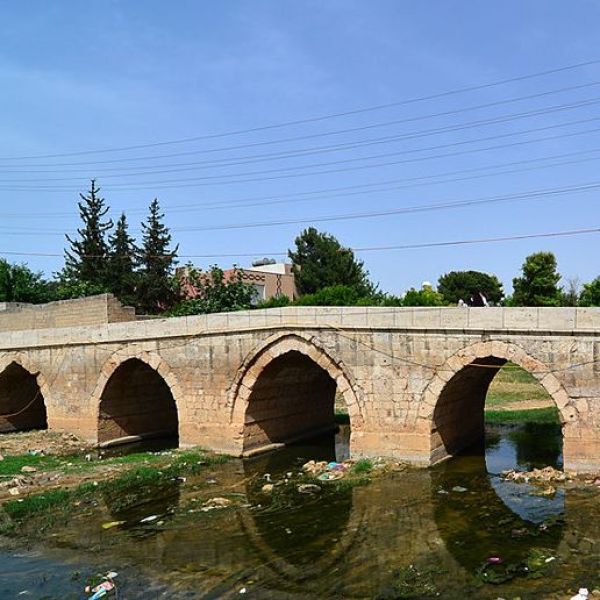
x,y
513,384
364,465
125,486
536,415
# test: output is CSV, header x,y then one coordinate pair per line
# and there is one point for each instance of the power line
x,y
552,234
309,136
317,118
209,180
300,153
353,190
445,205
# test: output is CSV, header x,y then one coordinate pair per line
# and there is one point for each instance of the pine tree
x,y
86,261
122,263
155,291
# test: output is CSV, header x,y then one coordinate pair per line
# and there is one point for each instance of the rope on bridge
x,y
28,405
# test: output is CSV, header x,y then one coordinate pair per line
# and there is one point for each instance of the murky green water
x,y
412,534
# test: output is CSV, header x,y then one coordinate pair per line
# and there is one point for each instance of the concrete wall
x,y
393,366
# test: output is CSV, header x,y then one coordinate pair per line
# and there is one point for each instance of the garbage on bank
x,y
104,588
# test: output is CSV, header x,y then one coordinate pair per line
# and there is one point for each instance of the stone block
x,y
556,319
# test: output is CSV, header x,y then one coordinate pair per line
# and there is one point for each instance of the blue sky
x,y
105,74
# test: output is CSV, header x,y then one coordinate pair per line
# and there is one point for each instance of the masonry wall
x,y
94,310
398,362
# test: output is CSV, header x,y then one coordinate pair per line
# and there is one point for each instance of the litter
x,y
494,560
112,524
149,519
267,488
243,591
309,488
104,588
217,503
459,488
330,476
582,594
28,469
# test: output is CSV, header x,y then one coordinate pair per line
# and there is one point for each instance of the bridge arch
x,y
136,396
454,399
285,390
24,393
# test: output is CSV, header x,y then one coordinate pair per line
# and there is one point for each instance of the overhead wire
x,y
347,145
410,246
319,118
209,180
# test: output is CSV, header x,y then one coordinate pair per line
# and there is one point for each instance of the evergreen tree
x,y
590,296
86,261
320,261
122,263
155,291
539,284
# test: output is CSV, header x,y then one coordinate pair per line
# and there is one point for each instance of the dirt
x,y
42,442
524,405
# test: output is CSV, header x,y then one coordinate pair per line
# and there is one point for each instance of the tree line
x,y
105,258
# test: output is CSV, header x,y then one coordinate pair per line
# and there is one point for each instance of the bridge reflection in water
x,y
352,543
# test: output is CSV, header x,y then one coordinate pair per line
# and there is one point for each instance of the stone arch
x,y
28,407
149,370
306,352
469,372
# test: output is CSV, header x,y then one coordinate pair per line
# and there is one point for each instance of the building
x,y
269,278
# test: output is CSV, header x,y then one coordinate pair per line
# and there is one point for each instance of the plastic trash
x,y
494,560
112,524
582,594
309,488
102,589
149,519
459,488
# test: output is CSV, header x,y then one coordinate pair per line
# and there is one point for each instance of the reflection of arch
x,y
479,523
283,373
23,394
136,396
453,400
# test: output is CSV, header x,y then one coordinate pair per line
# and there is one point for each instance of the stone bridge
x,y
413,380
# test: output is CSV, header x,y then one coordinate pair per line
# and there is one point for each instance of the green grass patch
x,y
129,488
364,465
536,415
12,465
514,384
36,503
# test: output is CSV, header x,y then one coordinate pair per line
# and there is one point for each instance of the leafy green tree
x,y
590,295
457,285
538,285
18,283
335,295
213,292
155,291
320,261
122,263
86,261
426,296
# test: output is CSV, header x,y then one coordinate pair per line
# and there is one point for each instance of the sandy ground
x,y
44,442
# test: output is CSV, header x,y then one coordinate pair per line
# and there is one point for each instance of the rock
x,y
217,502
309,488
267,488
314,467
459,488
28,469
13,491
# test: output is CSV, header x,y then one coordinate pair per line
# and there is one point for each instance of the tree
x,y
590,295
335,295
426,296
457,285
18,283
320,261
155,291
213,292
539,284
122,263
86,261
570,296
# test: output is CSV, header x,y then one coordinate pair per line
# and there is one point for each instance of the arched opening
x,y
136,404
21,402
291,399
491,402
